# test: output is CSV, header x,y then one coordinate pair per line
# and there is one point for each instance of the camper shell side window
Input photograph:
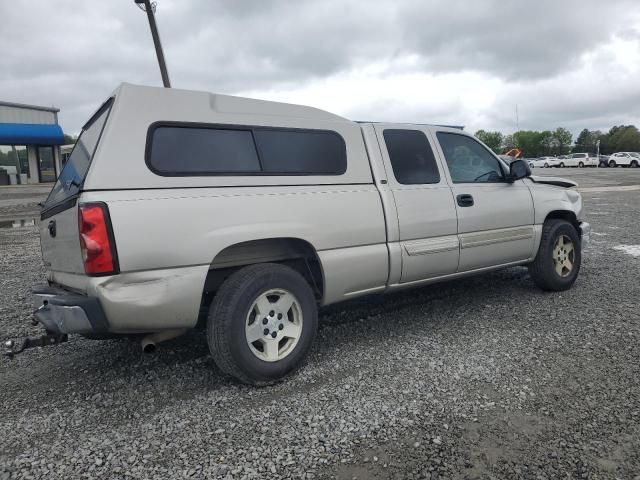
x,y
188,149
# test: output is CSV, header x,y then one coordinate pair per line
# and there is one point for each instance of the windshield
x,y
73,174
635,154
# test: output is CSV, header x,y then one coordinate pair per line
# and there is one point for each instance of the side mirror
x,y
518,169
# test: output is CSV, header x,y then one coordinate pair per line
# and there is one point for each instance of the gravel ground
x,y
21,201
481,378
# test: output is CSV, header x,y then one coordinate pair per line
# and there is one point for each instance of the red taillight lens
x,y
96,240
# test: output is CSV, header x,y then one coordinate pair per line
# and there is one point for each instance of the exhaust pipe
x,y
149,341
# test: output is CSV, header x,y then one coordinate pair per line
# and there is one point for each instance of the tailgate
x,y
60,242
59,230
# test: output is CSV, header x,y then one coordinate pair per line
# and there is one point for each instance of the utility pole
x,y
146,6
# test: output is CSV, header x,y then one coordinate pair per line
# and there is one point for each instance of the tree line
x,y
622,138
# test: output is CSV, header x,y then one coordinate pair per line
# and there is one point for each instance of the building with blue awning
x,y
29,143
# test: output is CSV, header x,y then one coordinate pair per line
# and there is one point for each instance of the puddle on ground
x,y
629,249
18,222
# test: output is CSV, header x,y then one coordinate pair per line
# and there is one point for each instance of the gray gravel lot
x,y
481,378
21,200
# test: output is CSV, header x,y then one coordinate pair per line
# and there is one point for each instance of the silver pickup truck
x,y
181,209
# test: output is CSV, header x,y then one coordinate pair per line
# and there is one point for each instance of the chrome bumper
x,y
62,312
585,234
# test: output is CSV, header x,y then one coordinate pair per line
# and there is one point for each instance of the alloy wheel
x,y
274,325
563,256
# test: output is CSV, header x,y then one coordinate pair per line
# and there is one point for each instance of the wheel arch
x,y
567,215
294,252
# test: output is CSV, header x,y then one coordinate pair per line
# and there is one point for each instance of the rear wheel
x,y
546,165
559,257
612,163
561,165
262,323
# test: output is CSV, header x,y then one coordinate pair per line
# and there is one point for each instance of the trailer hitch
x,y
13,347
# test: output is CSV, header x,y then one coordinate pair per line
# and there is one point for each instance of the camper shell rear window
x,y
71,179
187,149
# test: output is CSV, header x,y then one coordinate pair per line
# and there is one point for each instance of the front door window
x,y
468,160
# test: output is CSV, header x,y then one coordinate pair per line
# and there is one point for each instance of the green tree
x,y
545,143
493,140
586,141
562,141
623,138
508,142
603,138
68,139
529,142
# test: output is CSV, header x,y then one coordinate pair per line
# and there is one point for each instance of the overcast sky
x,y
571,63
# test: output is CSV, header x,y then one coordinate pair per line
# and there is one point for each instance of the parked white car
x,y
581,160
545,162
184,210
625,159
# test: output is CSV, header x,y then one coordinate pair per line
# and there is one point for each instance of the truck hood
x,y
556,181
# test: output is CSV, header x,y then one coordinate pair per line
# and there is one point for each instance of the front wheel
x,y
546,165
634,164
559,257
561,165
262,323
580,164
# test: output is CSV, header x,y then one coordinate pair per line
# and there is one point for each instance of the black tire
x,y
546,165
580,165
612,163
542,269
634,164
228,313
561,165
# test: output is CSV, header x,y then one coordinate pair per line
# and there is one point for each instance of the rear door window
x,y
75,170
411,157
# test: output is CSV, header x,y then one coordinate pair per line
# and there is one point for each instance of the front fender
x,y
548,198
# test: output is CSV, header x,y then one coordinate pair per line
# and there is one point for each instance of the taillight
x,y
96,239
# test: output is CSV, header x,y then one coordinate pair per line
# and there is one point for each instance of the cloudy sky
x,y
571,63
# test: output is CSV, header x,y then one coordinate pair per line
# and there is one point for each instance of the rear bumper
x,y
585,234
60,311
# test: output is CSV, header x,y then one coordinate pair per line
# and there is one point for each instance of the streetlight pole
x,y
148,8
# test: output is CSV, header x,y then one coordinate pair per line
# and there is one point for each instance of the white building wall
x,y
10,114
29,114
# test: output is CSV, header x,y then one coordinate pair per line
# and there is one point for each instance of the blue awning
x,y
30,134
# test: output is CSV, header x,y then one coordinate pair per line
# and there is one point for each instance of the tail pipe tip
x,y
149,342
